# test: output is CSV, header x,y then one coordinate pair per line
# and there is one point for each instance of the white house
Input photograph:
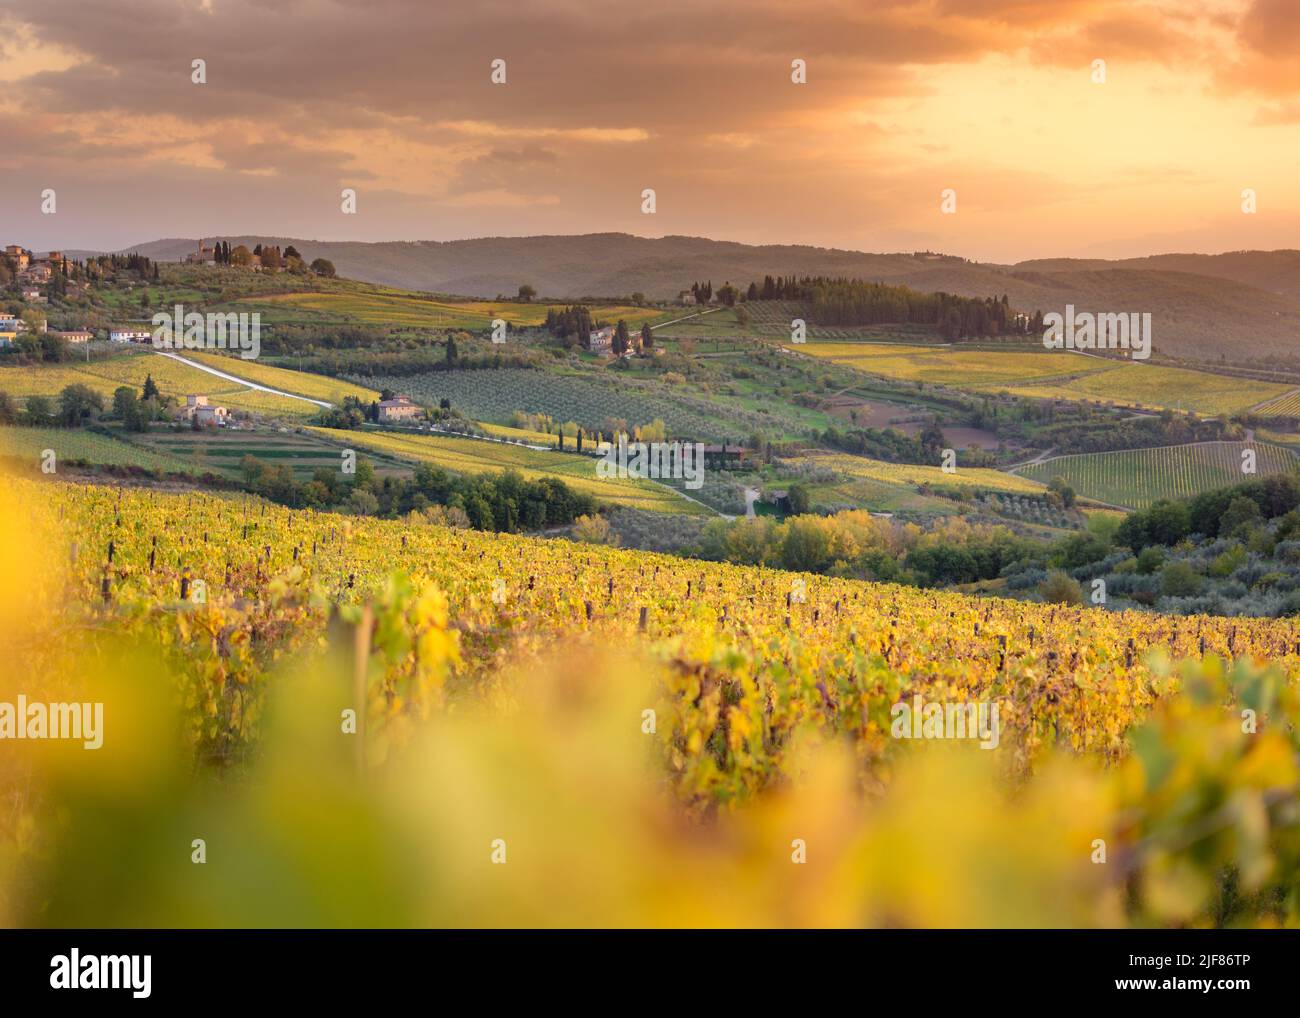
x,y
601,340
124,335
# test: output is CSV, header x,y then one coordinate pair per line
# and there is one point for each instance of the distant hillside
x,y
1237,306
1275,271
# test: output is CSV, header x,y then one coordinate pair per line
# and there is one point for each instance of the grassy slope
x,y
473,456
912,475
172,378
1053,375
1200,307
74,444
301,383
1159,387
952,366
177,379
370,305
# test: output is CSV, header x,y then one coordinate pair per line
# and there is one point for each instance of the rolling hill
x,y
1237,307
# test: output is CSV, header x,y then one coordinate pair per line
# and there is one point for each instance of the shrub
x,y
1061,588
1228,563
1269,580
1241,516
1178,579
1150,560
592,530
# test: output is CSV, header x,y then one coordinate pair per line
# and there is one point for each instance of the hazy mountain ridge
x,y
1240,305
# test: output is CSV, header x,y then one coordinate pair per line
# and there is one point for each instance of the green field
x,y
300,383
1158,387
221,451
1138,477
494,395
30,444
523,435
952,365
476,456
912,475
380,306
178,380
1044,374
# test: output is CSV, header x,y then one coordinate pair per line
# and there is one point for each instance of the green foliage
x,y
799,500
1227,563
1179,579
1061,588
1150,559
78,403
1079,550
1242,515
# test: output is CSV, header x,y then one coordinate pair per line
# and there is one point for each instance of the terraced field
x,y
1138,477
222,451
475,456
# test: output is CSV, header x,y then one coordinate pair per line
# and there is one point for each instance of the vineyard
x,y
915,475
525,435
494,395
1138,477
773,318
29,446
221,451
761,700
1286,405
476,456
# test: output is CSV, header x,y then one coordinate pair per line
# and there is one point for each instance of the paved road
x,y
242,381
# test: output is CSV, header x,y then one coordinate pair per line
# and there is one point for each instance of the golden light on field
x,y
534,763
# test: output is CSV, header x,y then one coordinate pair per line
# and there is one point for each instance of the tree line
x,y
842,301
497,502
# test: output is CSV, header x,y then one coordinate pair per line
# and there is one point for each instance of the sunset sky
x,y
993,98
